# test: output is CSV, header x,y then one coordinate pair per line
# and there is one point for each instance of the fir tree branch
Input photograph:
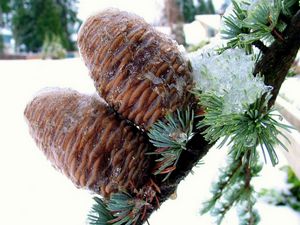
x,y
250,172
197,148
248,175
99,214
248,215
227,178
120,209
171,137
245,130
289,8
248,188
236,191
274,65
279,57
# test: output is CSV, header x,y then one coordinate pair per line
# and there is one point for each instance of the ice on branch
x,y
228,75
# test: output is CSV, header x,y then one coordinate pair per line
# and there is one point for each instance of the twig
x,y
277,35
261,46
248,177
248,174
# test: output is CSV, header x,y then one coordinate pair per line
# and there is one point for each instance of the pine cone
x,y
85,139
136,69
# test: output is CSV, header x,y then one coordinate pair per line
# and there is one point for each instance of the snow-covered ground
x,y
33,193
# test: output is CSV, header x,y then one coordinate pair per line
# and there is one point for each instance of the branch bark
x,y
274,65
279,57
197,149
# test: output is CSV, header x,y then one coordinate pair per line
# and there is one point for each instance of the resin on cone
x,y
139,71
85,139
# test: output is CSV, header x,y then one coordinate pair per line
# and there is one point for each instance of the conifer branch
x,y
171,137
279,57
234,188
244,130
99,214
120,209
228,176
250,201
197,146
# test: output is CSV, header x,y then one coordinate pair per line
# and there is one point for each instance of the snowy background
x,y
33,193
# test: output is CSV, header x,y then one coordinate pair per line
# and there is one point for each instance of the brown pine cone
x,y
85,139
136,69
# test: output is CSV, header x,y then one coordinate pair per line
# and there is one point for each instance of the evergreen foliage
x,y
69,20
34,20
120,209
4,9
52,48
125,208
4,5
245,131
189,10
206,7
250,23
171,137
233,27
261,20
290,7
233,188
99,214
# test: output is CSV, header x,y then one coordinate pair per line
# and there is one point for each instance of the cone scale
x,y
84,138
137,70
